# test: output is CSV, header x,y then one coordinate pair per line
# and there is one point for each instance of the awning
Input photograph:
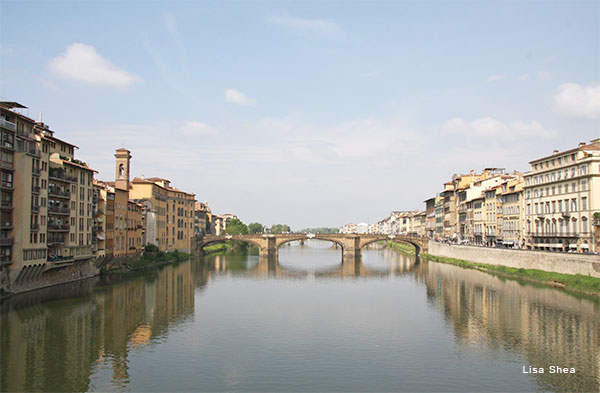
x,y
508,243
585,246
572,245
100,237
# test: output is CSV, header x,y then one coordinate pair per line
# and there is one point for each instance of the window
x,y
584,203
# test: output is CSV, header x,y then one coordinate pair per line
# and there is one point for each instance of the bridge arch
x,y
397,240
315,237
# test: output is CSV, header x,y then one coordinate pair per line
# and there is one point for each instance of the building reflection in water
x,y
56,339
547,326
53,339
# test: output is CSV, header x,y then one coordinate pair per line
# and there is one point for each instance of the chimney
x,y
582,144
555,152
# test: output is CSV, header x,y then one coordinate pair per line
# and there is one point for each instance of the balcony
x,y
59,210
7,241
6,224
6,185
56,174
35,189
53,192
556,234
61,260
35,171
5,260
53,242
7,165
8,145
9,125
55,227
6,205
35,227
35,208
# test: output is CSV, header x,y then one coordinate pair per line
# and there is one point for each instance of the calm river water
x,y
307,323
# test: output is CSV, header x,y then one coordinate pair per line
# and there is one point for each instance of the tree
x,y
280,228
236,227
255,227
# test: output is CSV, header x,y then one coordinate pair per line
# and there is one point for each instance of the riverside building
x,y
168,213
562,200
46,199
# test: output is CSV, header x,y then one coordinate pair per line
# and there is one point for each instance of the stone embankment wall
x,y
588,265
46,276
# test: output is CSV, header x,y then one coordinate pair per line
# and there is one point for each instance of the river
x,y
306,323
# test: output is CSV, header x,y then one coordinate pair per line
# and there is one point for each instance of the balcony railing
x,y
35,189
8,124
59,193
5,260
6,165
36,171
35,208
60,175
59,210
55,227
6,184
35,227
555,234
7,241
6,224
6,205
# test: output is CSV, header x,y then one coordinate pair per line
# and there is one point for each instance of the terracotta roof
x,y
59,140
586,147
79,166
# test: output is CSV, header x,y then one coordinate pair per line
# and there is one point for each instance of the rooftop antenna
x,y
41,117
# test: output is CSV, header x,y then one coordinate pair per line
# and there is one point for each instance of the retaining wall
x,y
588,265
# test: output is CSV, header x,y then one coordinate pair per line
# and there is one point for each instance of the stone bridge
x,y
351,244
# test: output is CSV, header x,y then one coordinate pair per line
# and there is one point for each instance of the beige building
x,y
512,213
562,200
46,199
174,212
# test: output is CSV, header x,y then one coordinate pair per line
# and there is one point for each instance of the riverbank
x,y
222,248
148,261
572,282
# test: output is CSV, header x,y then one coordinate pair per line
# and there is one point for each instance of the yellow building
x,y
174,218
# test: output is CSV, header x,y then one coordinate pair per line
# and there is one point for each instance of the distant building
x,y
202,218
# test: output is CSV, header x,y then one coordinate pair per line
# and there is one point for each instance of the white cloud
x,y
494,78
322,27
196,128
234,96
578,102
492,130
81,62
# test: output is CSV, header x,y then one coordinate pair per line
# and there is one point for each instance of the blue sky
x,y
307,113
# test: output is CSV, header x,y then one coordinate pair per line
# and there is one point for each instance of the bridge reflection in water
x,y
270,267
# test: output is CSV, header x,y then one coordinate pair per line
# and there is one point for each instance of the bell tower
x,y
123,158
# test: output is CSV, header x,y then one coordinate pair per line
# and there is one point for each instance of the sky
x,y
307,113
